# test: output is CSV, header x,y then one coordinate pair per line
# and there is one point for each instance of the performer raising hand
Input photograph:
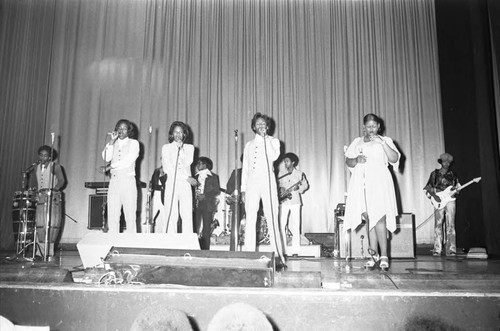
x,y
121,152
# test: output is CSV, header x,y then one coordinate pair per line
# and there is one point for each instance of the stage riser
x,y
304,250
75,307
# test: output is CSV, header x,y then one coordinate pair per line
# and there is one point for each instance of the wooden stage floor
x,y
448,293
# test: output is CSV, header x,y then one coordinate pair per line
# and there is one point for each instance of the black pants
x,y
206,216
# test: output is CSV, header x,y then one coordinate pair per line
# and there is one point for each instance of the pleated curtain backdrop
x,y
73,68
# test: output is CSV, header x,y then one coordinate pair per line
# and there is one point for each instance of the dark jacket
x,y
210,192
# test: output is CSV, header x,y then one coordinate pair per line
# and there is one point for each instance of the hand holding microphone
x,y
113,134
377,138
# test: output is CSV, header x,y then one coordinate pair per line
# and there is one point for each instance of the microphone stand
x,y
173,192
235,226
49,202
149,202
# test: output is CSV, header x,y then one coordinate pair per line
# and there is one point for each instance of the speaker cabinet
x,y
94,247
97,205
401,243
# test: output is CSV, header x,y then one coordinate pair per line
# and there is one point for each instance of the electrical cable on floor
x,y
377,264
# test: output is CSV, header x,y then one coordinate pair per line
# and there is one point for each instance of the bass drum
x,y
23,216
55,215
262,236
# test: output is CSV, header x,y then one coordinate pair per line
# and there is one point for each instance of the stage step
x,y
305,250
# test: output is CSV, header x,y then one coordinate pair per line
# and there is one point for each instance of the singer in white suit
x,y
121,152
258,182
177,157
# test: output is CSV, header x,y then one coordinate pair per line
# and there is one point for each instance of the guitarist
x,y
292,184
439,180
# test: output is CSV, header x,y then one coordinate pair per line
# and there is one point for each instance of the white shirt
x,y
202,176
254,158
122,155
169,153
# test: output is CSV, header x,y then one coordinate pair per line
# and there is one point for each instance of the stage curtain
x,y
73,68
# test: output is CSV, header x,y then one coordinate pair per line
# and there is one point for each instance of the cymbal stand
x,y
235,226
22,244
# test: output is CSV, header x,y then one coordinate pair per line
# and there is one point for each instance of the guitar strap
x,y
287,174
436,176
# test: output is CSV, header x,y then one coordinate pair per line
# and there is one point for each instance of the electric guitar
x,y
287,194
449,194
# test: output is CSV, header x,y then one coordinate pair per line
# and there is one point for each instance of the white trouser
x,y
293,225
259,190
178,202
122,192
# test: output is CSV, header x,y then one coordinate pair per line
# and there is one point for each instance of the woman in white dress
x,y
371,195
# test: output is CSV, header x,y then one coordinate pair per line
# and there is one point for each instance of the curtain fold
x,y
317,67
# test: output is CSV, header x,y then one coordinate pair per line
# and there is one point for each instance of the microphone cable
x,y
366,203
104,206
377,263
272,209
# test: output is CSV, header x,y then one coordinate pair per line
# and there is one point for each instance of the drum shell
x,y
55,215
23,215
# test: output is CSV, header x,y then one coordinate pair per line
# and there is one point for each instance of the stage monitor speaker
x,y
94,247
401,243
36,275
192,267
96,204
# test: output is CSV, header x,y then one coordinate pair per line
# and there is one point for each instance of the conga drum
x,y
42,214
23,217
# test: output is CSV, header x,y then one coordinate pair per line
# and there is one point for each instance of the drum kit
x,y
36,217
225,212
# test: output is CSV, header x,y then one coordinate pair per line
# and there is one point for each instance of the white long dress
x,y
371,188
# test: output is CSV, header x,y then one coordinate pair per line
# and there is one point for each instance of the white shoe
x,y
384,263
370,264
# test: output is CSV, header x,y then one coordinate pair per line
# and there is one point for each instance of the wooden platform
x,y
312,293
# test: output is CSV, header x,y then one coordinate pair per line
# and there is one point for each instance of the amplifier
x,y
97,206
401,243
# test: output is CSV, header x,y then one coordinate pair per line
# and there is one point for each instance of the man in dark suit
x,y
206,200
